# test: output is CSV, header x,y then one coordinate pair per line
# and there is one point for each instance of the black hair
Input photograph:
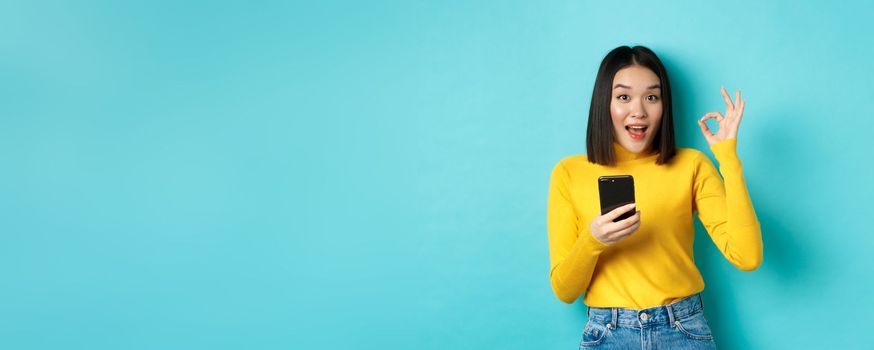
x,y
599,134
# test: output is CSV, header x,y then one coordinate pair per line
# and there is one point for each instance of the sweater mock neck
x,y
623,155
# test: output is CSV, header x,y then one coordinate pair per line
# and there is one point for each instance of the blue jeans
x,y
680,325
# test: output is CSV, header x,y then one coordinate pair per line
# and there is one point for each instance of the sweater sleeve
x,y
725,209
573,251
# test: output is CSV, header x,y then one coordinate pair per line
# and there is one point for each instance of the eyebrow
x,y
654,86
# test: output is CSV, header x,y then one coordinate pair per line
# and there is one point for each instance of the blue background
x,y
276,175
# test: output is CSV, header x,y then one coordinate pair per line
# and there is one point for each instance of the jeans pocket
x,y
593,334
694,327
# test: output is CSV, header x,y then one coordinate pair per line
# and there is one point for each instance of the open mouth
x,y
637,132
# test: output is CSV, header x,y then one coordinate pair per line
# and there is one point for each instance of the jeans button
x,y
644,317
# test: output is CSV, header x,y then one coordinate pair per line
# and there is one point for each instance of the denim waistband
x,y
665,314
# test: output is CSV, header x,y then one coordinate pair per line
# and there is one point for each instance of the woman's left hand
x,y
729,124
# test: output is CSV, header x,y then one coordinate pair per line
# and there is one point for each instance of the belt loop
x,y
701,300
588,311
670,314
615,316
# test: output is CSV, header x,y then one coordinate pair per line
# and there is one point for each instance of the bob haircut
x,y
599,134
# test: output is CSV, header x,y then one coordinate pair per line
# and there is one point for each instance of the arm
x,y
573,251
726,210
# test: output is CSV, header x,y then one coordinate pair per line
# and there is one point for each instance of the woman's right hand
x,y
605,230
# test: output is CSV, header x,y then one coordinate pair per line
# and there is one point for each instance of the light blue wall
x,y
373,175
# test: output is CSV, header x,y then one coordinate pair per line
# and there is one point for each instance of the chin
x,y
634,147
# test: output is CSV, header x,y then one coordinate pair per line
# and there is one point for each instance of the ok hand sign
x,y
729,124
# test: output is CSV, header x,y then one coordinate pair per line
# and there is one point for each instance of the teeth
x,y
637,127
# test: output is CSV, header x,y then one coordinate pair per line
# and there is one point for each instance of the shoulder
x,y
569,165
574,161
689,155
695,161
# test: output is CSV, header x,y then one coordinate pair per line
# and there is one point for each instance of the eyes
x,y
648,98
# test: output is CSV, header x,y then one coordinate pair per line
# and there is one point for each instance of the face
x,y
636,108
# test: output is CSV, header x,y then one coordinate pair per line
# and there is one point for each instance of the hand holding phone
x,y
604,229
618,218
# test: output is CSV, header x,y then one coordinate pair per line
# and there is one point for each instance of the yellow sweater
x,y
655,265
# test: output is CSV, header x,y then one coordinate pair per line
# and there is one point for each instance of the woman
x,y
641,285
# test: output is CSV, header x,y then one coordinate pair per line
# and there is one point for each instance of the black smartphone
x,y
616,191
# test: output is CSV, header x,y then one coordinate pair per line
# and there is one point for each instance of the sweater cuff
x,y
725,152
593,244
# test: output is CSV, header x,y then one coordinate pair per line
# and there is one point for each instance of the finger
x,y
728,104
737,98
625,223
704,128
740,110
713,115
615,213
627,231
708,135
621,224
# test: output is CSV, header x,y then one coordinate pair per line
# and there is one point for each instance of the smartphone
x,y
616,191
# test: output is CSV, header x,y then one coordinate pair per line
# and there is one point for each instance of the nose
x,y
637,110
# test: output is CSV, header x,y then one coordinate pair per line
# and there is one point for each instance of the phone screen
x,y
616,191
